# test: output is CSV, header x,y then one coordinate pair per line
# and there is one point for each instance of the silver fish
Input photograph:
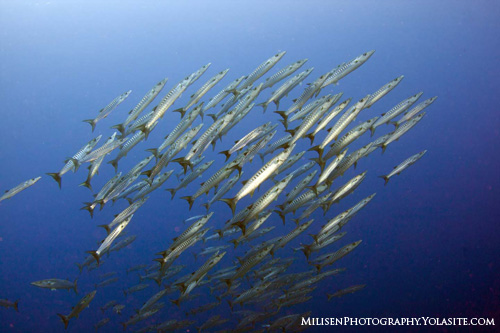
x,y
24,185
402,166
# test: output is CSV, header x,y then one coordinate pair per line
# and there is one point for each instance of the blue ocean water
x,y
430,237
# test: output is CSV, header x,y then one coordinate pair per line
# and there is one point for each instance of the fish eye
x,y
356,61
364,54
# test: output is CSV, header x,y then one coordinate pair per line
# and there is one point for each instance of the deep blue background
x,y
430,238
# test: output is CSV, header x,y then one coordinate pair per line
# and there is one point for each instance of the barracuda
x,y
410,114
195,98
24,185
403,166
262,69
223,93
402,130
346,68
384,90
285,88
78,156
103,113
395,111
143,103
260,176
283,73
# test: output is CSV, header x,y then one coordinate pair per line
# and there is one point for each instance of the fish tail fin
x,y
206,205
291,131
184,163
329,296
190,200
16,305
225,153
105,226
233,91
235,242
75,287
320,162
114,163
144,129
120,128
314,189
277,103
56,177
385,178
229,282
261,157
220,232
242,226
95,255
181,111
101,204
147,173
88,206
231,202
264,106
92,123
280,213
176,301
211,115
64,319
372,131
153,151
311,137
317,149
284,116
182,287
315,237
86,183
76,163
80,267
172,192
307,251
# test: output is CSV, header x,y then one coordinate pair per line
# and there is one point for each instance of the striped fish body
x,y
404,165
347,68
344,121
223,93
143,103
384,90
395,111
283,73
300,186
24,185
410,114
349,138
285,88
262,69
181,127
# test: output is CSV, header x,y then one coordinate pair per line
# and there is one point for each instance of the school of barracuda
x,y
257,287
